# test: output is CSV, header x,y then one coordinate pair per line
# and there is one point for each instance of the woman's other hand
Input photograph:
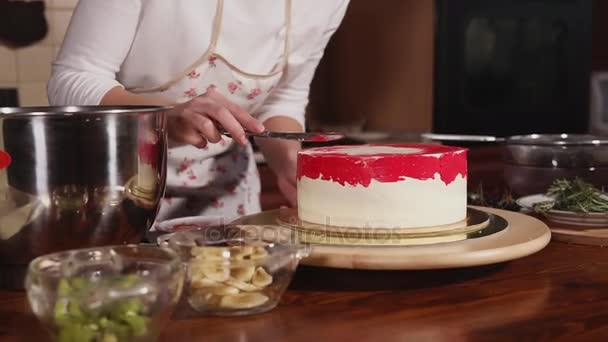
x,y
288,186
282,155
195,122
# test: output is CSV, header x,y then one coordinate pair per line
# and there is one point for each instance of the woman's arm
x,y
97,42
120,96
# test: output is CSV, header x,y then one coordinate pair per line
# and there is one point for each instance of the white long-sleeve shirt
x,y
144,43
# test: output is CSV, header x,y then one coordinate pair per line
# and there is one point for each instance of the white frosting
x,y
409,203
370,150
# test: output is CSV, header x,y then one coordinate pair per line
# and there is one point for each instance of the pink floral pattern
x,y
221,169
185,165
191,175
191,93
232,87
194,74
243,177
231,189
254,93
212,60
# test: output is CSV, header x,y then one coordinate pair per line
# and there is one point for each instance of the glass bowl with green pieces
x,y
108,294
236,270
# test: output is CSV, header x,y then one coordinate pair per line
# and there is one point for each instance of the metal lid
x,y
16,112
558,140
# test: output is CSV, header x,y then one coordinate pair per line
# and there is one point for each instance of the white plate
x,y
564,217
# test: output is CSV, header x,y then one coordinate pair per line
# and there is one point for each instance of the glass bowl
x,y
110,294
533,162
237,269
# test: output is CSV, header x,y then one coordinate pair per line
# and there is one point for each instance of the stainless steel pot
x,y
74,177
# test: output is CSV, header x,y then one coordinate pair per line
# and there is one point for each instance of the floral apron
x,y
220,181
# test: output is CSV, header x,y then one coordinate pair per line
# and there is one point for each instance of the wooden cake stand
x,y
524,235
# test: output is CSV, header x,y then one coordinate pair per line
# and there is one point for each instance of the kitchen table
x,y
559,292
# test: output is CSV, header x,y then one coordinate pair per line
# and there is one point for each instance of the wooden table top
x,y
561,291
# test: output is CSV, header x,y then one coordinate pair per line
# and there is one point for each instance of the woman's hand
x,y
195,122
287,182
282,155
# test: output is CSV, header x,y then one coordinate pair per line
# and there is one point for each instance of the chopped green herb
x,y
117,321
575,196
64,288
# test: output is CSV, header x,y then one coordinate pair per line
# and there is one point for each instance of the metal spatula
x,y
308,136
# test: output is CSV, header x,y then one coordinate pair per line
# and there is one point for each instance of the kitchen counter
x,y
559,292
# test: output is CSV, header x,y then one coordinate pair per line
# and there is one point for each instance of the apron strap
x,y
288,23
217,27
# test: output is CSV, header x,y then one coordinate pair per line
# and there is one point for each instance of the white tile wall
x,y
60,20
8,66
8,85
69,4
33,94
28,69
48,40
34,63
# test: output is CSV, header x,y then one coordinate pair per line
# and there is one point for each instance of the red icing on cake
x,y
319,138
324,137
331,164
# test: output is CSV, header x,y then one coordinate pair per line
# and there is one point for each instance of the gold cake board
x,y
475,220
524,235
322,234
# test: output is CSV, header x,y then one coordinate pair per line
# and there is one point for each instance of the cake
x,y
382,186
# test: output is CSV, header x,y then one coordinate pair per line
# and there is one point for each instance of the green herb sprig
x,y
576,196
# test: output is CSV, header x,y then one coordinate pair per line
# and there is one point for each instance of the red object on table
x,y
5,160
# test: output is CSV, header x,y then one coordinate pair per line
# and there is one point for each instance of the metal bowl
x,y
533,162
75,177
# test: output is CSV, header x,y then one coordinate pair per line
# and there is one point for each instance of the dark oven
x,y
506,67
